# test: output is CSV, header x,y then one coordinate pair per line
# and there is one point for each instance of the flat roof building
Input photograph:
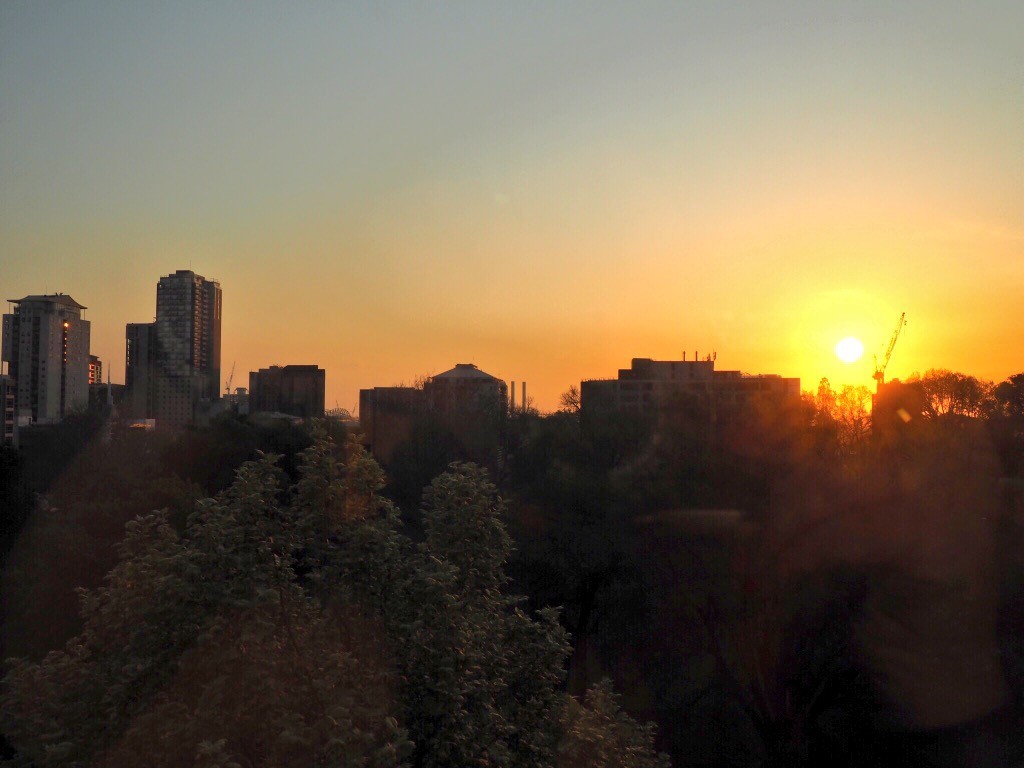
x,y
46,346
140,369
297,390
649,385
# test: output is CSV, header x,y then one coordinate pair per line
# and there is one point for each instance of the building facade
x,y
466,388
297,390
140,369
173,364
9,431
46,348
648,386
387,416
464,400
95,370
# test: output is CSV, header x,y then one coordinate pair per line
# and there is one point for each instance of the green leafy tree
x,y
294,625
600,735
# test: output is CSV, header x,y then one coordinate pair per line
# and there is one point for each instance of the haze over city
x,y
386,190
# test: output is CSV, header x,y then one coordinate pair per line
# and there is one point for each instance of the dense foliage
x,y
293,624
692,566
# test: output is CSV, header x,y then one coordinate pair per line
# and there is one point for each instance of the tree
x,y
951,393
570,400
601,735
846,414
292,624
1009,396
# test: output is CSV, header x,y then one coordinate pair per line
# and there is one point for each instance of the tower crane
x,y
231,378
880,369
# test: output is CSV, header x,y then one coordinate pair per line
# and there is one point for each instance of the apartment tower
x,y
174,363
46,348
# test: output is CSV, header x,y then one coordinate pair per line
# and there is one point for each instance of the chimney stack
x,y
512,402
524,397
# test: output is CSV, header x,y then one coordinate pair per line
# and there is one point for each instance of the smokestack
x,y
524,397
684,355
512,404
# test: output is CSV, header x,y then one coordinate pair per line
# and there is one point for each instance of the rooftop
x,y
50,298
465,371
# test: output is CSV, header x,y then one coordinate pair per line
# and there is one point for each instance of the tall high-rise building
x,y
140,369
174,363
46,347
188,314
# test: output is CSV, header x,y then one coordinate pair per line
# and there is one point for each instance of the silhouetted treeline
x,y
731,575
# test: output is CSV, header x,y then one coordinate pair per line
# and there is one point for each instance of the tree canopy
x,y
291,623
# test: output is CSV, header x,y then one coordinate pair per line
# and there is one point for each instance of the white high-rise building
x,y
46,348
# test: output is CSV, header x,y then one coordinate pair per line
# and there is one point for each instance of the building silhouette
x,y
173,364
297,390
140,369
464,400
387,416
649,386
465,388
46,348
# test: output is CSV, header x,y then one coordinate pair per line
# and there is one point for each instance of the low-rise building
x,y
464,400
387,416
238,401
297,390
648,386
466,388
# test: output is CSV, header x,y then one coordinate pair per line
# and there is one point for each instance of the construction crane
x,y
880,369
231,378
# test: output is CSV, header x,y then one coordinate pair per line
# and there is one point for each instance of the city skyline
x,y
386,191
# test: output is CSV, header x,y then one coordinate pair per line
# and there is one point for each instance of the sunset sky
x,y
544,189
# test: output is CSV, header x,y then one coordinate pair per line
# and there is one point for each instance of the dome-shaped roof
x,y
465,371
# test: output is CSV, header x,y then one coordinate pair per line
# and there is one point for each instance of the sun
x,y
849,350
